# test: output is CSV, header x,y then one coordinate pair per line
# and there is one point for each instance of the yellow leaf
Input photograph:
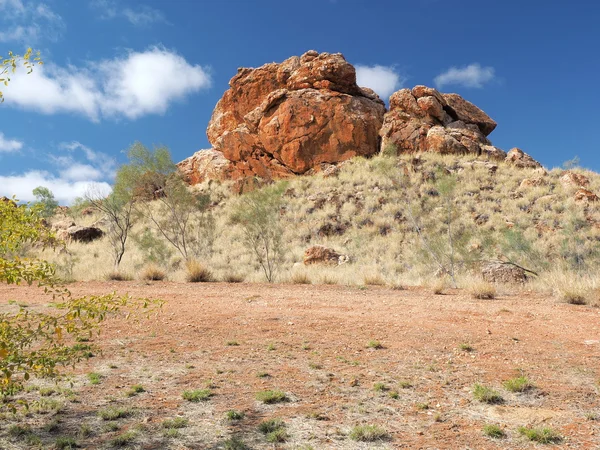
x,y
58,331
3,353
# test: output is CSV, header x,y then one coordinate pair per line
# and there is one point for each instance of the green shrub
x,y
368,433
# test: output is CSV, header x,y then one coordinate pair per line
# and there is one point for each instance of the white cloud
x,y
29,22
142,16
473,76
9,145
384,80
77,170
137,84
64,190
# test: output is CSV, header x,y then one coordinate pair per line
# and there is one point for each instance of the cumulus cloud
x,y
141,16
9,145
77,170
473,76
29,22
384,80
137,84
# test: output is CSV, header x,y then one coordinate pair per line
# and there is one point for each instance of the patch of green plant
x,y
405,384
113,413
45,406
280,435
111,427
123,439
263,375
197,395
422,406
368,433
19,431
235,444
135,390
493,431
177,422
232,343
380,387
52,426
234,415
394,394
485,394
47,392
171,433
65,443
268,426
376,345
84,431
466,347
94,377
270,397
540,435
518,384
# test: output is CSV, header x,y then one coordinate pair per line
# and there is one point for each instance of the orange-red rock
x,y
422,119
583,195
204,165
522,160
570,179
285,119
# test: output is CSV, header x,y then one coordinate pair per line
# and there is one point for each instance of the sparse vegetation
x,y
485,394
482,290
197,395
114,413
518,384
494,431
234,415
177,422
198,272
135,390
368,433
540,435
376,345
271,397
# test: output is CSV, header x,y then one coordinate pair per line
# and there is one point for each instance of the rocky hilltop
x,y
307,113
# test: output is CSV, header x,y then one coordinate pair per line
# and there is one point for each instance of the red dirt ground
x,y
313,343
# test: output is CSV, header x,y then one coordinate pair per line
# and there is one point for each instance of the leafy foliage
x,y
33,342
46,199
9,65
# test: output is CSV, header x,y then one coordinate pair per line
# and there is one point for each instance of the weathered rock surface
x,y
204,165
522,160
499,272
585,196
422,119
574,180
80,234
319,254
284,119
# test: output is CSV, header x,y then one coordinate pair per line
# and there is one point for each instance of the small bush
x,y
234,415
439,286
198,272
374,280
152,272
277,436
118,276
233,277
466,347
483,291
113,413
235,444
368,433
65,443
177,422
300,278
486,395
376,345
380,387
519,384
270,397
494,431
135,390
197,395
573,296
540,435
124,439
271,425
95,378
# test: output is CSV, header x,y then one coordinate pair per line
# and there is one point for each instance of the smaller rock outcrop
x,y
80,234
422,119
522,160
585,196
574,180
204,165
501,272
319,254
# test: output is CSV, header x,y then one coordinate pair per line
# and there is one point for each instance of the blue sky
x,y
153,70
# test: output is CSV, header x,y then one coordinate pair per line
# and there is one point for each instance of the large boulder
x,y
80,234
501,272
290,118
522,160
422,119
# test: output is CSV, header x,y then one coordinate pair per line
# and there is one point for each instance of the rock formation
x,y
422,119
318,254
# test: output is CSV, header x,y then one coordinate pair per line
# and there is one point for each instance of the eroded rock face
x,y
574,180
422,119
522,160
285,119
500,272
80,234
204,165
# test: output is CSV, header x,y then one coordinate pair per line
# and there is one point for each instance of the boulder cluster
x,y
307,114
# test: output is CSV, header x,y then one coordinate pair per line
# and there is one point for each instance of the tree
x,y
46,199
118,209
179,215
257,213
34,343
9,65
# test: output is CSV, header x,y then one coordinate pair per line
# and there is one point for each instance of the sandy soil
x,y
312,341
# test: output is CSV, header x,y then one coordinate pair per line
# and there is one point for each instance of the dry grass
x,y
482,290
300,277
198,272
152,272
118,276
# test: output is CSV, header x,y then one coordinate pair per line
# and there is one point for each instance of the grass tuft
x,y
113,413
197,395
518,384
482,290
271,397
153,272
368,433
485,394
494,431
540,435
198,272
